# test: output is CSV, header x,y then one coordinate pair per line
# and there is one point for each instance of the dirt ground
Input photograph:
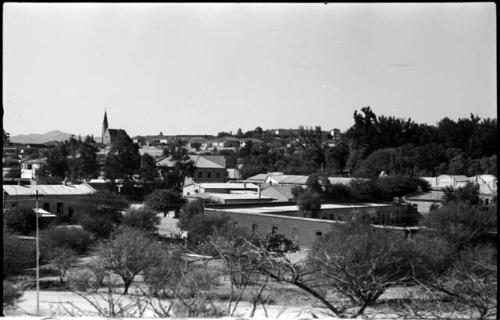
x,y
283,301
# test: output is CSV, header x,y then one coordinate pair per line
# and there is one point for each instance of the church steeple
x,y
104,126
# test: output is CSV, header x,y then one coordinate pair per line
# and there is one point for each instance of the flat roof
x,y
332,222
225,185
265,209
229,196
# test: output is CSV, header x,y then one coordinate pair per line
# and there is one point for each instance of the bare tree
x,y
127,254
63,259
472,282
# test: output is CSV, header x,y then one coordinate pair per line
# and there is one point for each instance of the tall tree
x,y
148,170
183,166
123,159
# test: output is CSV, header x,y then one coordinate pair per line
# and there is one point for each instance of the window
x,y
199,174
59,207
70,211
274,230
46,206
254,228
209,174
319,233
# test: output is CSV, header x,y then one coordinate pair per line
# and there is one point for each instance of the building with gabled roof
x,y
56,199
279,193
215,187
207,168
108,135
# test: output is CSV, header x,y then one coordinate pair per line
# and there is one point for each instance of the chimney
x,y
244,184
258,190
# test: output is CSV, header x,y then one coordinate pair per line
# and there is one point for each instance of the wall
x,y
68,203
303,231
209,175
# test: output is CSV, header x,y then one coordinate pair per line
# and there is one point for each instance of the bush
x,y
462,224
70,237
361,262
309,203
80,280
338,192
142,219
163,276
11,294
164,201
279,243
63,259
18,255
199,227
21,221
100,221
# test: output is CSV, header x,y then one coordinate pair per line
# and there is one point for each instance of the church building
x,y
108,135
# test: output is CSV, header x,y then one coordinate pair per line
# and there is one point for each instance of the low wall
x,y
302,231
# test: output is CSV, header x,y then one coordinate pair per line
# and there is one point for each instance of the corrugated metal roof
x,y
291,179
58,189
214,185
296,208
280,193
218,162
229,196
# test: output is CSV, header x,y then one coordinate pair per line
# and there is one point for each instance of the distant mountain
x,y
41,138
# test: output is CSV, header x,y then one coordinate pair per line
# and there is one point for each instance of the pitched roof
x,y
290,179
209,161
214,162
280,193
57,189
114,132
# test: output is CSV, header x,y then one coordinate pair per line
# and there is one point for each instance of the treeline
x,y
376,144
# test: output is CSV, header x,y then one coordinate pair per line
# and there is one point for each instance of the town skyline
x,y
204,68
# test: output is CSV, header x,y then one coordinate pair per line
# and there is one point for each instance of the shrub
x,y
11,294
462,224
143,219
164,201
70,237
164,276
199,227
63,259
18,255
309,203
80,280
100,221
21,221
361,262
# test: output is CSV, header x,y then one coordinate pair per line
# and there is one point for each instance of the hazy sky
x,y
205,68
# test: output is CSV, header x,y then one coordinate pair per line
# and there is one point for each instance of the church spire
x,y
104,126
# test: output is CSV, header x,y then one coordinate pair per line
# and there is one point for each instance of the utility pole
x,y
37,196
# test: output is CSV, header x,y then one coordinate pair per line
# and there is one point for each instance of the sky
x,y
206,68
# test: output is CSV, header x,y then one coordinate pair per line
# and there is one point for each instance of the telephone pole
x,y
37,196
